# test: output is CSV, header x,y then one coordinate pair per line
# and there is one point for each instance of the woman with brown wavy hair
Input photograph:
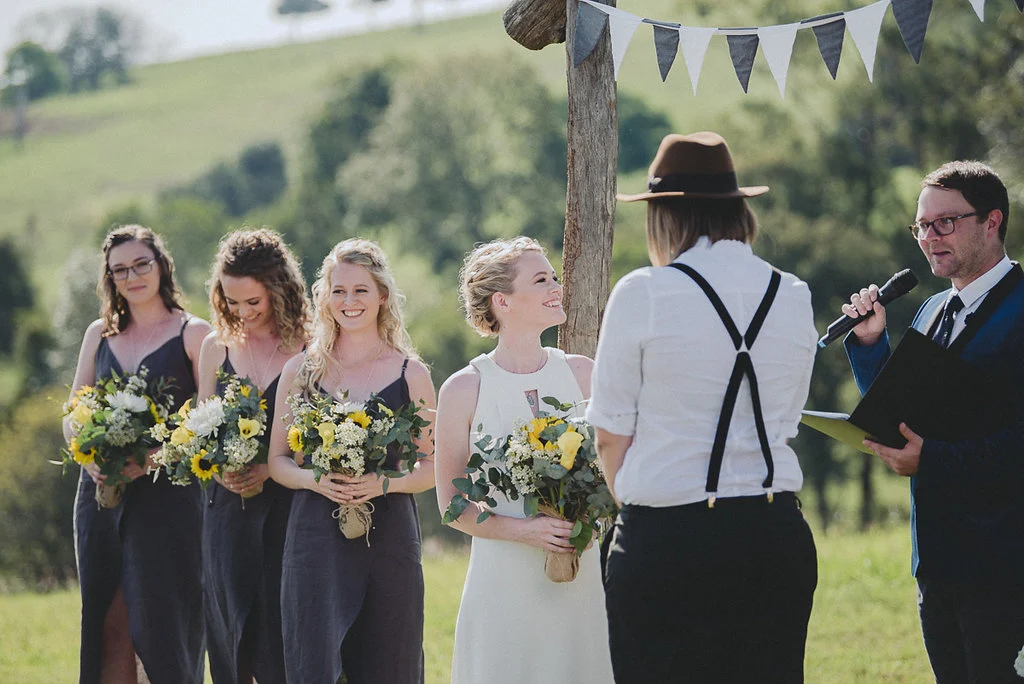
x,y
260,319
348,606
139,565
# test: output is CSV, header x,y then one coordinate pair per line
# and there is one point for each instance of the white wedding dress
x,y
516,626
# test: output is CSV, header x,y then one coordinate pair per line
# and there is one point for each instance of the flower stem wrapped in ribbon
x,y
551,462
113,423
354,438
218,435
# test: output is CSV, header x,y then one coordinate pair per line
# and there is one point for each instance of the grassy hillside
x,y
90,152
863,627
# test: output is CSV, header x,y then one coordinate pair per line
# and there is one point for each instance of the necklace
x,y
135,358
373,366
258,379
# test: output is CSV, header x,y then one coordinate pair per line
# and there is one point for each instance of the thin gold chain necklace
x,y
259,379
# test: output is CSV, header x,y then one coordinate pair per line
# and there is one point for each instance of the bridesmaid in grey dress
x,y
139,566
260,318
348,606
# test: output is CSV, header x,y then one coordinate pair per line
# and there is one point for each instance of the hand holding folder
x,y
936,393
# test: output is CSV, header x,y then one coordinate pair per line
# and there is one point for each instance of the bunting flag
x,y
912,21
863,24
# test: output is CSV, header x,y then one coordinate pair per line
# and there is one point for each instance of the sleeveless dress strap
x,y
743,367
405,364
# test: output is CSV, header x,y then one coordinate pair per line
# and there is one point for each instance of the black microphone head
x,y
900,284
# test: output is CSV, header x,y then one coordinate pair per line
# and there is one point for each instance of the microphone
x,y
897,286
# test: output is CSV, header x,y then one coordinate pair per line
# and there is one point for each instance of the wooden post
x,y
590,194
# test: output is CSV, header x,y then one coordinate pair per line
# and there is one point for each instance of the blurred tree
x,y
263,172
76,307
16,293
36,502
640,132
191,229
100,42
43,71
479,163
257,179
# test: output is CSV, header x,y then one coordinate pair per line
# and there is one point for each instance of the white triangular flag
x,y
979,8
777,45
864,25
621,26
694,44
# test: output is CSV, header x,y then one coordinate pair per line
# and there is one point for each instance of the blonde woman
x,y
349,606
139,566
514,624
261,319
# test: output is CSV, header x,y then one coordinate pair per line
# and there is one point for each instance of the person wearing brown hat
x,y
703,366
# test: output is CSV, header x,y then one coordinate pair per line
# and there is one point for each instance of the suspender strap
x,y
743,367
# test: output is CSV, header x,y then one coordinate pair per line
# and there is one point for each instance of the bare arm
x,y
211,356
195,333
611,449
368,486
85,374
456,405
282,461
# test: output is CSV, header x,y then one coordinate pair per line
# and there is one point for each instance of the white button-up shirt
x,y
663,363
975,292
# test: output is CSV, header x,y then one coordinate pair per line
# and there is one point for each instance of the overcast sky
x,y
184,28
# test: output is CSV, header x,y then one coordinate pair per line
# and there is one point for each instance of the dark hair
x,y
675,223
114,309
262,255
979,185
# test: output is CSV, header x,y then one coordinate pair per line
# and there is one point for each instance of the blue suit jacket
x,y
967,499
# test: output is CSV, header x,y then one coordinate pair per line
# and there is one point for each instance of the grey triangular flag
x,y
979,8
666,45
830,39
912,21
590,24
743,49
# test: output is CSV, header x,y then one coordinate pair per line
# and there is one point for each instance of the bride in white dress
x,y
515,625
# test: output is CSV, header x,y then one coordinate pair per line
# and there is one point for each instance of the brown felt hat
x,y
695,165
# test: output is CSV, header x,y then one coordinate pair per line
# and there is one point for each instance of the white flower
x,y
343,409
119,428
159,432
1018,664
205,418
128,402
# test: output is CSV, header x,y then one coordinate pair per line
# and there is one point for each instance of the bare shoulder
x,y
582,367
195,332
461,389
212,344
92,337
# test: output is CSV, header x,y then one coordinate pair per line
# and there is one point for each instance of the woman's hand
x,y
330,486
93,471
242,481
547,533
362,488
133,470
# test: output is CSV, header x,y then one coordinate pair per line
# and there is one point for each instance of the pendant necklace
x,y
258,379
136,359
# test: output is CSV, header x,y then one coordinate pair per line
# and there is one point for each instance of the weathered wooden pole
x,y
593,156
590,194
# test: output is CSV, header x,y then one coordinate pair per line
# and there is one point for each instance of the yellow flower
x,y
81,414
202,467
386,411
248,427
246,391
295,438
569,443
81,457
185,408
263,404
360,418
181,435
326,430
155,411
83,390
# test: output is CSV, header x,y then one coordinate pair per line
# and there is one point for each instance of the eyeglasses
x,y
139,268
941,226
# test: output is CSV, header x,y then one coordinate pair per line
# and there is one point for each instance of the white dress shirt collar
x,y
980,286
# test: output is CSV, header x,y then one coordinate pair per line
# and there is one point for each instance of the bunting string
x,y
776,42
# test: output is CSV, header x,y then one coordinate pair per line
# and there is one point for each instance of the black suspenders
x,y
744,366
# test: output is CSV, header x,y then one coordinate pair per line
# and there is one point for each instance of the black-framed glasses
x,y
943,225
139,268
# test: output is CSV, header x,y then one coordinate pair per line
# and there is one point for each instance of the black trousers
x,y
972,630
710,595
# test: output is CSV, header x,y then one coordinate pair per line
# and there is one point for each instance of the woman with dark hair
x,y
354,606
139,565
260,319
703,366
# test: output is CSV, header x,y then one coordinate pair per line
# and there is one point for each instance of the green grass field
x,y
863,629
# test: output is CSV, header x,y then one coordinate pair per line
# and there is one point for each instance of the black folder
x,y
935,392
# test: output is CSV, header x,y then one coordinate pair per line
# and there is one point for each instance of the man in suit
x,y
967,506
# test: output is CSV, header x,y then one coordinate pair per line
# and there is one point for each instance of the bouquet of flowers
x,y
552,463
1018,664
218,435
353,438
112,422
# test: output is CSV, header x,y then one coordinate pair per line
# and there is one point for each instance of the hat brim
x,y
751,191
